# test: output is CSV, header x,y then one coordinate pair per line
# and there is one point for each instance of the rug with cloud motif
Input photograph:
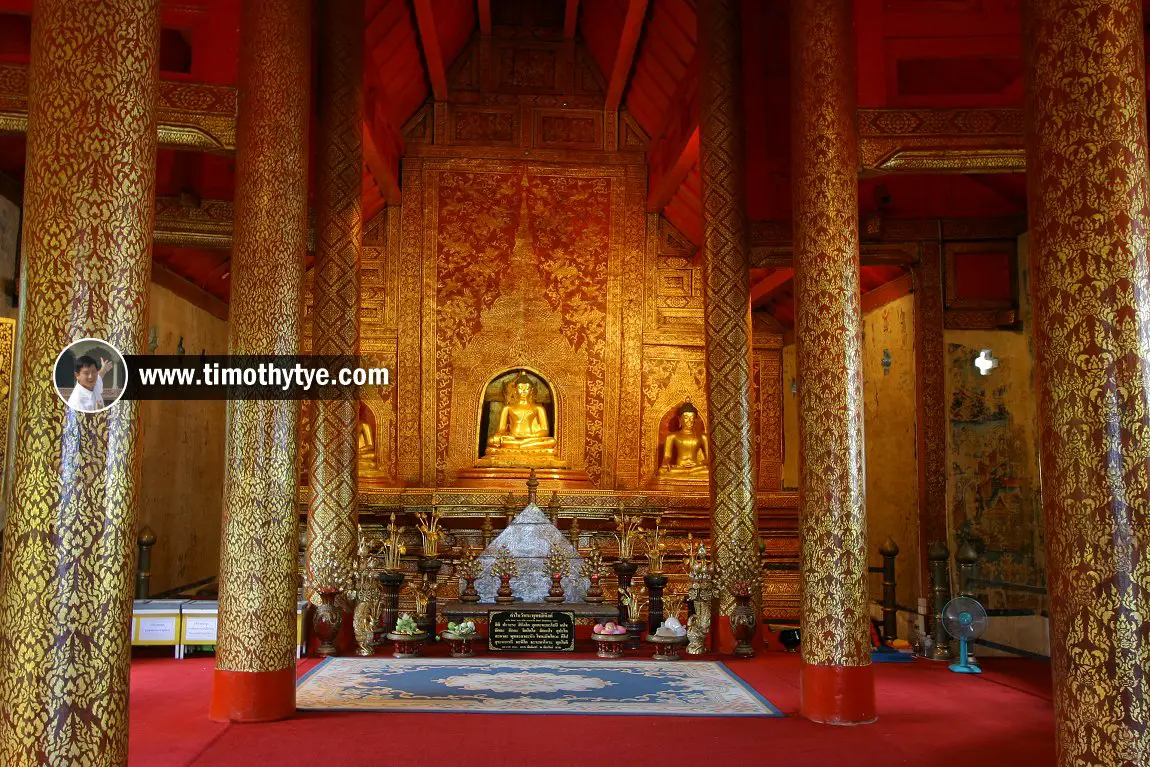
x,y
502,686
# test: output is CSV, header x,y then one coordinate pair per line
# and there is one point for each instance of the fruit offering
x,y
610,627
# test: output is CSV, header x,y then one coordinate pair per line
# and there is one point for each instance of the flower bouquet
x,y
408,637
460,636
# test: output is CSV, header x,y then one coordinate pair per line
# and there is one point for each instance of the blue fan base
x,y
965,668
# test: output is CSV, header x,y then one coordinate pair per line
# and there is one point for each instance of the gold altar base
x,y
513,478
519,461
671,482
369,482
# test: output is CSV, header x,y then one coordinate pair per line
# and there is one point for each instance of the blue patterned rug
x,y
500,686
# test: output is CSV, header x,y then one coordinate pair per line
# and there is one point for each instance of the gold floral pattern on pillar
x,y
1086,161
259,544
332,511
69,543
828,332
727,313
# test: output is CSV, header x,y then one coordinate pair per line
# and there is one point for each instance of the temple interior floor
x,y
928,716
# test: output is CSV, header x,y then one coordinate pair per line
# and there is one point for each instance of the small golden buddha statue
x,y
522,423
686,454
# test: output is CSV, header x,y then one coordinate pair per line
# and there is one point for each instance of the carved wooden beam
x,y
485,18
771,286
570,18
432,53
625,53
382,148
192,116
207,225
887,292
674,150
188,291
941,141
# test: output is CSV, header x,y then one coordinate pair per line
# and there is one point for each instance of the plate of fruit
x,y
610,628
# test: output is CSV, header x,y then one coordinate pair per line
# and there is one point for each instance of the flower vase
x,y
327,621
595,592
469,594
743,625
504,595
555,595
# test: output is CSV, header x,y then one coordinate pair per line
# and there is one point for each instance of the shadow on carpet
x,y
500,686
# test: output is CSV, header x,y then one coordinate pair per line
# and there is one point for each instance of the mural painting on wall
x,y
514,274
994,498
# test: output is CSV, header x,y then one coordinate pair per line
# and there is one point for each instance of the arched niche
x,y
499,389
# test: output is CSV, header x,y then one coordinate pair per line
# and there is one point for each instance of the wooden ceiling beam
x,y
570,18
432,53
625,53
382,148
189,291
485,18
674,149
668,174
770,287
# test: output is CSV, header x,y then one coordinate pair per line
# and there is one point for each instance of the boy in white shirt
x,y
88,396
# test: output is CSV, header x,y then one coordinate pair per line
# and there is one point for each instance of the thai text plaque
x,y
531,631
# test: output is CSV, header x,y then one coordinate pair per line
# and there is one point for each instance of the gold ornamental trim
x,y
189,116
946,140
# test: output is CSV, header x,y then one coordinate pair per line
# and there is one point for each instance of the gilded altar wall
x,y
522,241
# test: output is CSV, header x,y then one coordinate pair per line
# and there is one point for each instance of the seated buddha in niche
x,y
521,435
522,423
686,453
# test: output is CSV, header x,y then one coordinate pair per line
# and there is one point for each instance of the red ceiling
x,y
922,53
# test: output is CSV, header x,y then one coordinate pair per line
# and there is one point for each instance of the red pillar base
x,y
248,696
837,694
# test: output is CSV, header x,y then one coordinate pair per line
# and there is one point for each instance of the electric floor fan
x,y
965,620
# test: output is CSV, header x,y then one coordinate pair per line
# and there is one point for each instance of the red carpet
x,y
927,716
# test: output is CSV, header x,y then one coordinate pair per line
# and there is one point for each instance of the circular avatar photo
x,y
90,375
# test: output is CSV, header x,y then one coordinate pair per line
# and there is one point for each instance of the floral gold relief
x,y
332,510
828,333
259,544
66,601
727,314
1087,184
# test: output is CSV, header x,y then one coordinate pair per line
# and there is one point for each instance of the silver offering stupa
x,y
529,538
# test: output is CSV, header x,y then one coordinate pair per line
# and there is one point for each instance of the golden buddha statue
x,y
686,454
522,422
523,436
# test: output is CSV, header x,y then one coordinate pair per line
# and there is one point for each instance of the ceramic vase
x,y
327,622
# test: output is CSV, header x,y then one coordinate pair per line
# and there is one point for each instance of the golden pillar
x,y
837,686
69,558
255,656
332,511
727,302
1086,175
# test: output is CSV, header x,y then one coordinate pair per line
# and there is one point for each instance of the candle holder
x,y
389,586
655,583
624,572
429,568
